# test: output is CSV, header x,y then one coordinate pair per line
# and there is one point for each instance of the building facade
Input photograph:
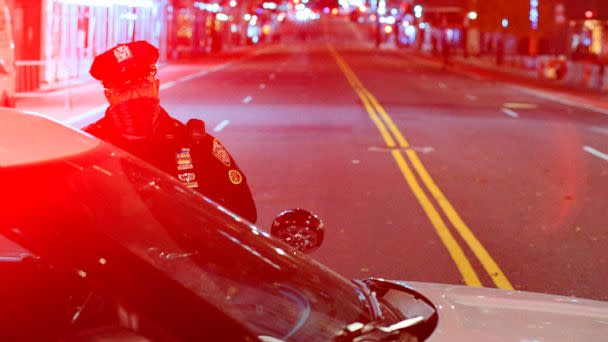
x,y
57,40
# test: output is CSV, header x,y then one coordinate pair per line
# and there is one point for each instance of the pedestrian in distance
x,y
500,51
378,34
135,122
434,48
445,50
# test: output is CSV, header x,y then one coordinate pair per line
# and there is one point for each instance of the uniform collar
x,y
168,128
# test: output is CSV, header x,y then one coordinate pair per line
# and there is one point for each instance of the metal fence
x,y
35,78
29,75
35,75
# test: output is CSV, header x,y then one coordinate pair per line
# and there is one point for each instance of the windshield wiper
x,y
357,329
372,300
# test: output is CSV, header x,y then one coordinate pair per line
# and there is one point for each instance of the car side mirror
x,y
299,228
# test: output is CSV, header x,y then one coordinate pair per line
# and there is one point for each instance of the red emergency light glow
x,y
110,3
588,14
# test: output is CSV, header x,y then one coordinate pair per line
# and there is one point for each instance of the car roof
x,y
28,138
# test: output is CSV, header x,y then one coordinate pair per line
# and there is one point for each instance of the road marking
x,y
517,105
442,85
558,99
168,85
600,130
421,149
595,152
471,97
491,267
247,99
456,252
221,125
509,112
189,78
538,93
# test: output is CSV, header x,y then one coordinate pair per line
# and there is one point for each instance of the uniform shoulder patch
x,y
220,152
235,177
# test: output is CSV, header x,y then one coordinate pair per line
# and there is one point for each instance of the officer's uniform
x,y
187,152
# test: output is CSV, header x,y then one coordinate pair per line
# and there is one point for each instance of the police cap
x,y
125,63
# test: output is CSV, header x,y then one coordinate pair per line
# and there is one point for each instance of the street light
x,y
505,22
472,15
533,17
418,11
534,14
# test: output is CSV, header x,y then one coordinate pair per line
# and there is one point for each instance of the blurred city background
x,y
55,41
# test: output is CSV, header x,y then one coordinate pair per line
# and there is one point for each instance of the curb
x,y
553,93
61,88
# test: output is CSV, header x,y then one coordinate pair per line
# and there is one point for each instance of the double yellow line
x,y
394,139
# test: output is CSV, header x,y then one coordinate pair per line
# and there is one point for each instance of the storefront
x,y
200,27
588,39
193,23
68,34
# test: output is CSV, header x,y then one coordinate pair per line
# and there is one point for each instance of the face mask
x,y
136,118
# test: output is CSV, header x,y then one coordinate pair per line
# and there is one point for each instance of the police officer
x,y
136,123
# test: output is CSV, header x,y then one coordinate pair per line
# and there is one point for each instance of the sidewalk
x,y
520,72
84,102
525,80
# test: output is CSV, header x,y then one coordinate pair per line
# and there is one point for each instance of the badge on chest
x,y
183,161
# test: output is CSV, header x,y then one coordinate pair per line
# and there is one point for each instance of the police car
x,y
106,247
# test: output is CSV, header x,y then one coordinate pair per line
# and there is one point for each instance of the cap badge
x,y
122,53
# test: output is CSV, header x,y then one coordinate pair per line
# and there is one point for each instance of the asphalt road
x,y
419,173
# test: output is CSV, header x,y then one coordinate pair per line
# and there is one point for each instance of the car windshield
x,y
90,206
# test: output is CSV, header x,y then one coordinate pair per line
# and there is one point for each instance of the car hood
x,y
481,314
